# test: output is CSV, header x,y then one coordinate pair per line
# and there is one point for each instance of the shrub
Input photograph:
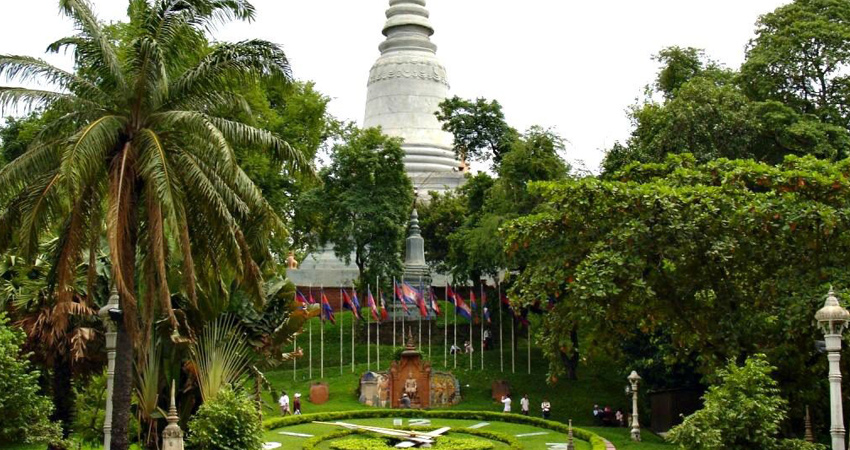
x,y
743,412
24,414
228,422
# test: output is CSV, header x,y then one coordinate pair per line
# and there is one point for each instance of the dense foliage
x,y
691,252
790,96
479,129
228,422
364,204
742,412
25,412
139,152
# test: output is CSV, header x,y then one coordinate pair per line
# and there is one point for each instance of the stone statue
x,y
291,262
410,386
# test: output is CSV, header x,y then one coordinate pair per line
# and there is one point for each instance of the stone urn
x,y
319,393
500,388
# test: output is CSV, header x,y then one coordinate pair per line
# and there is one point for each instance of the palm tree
x,y
139,151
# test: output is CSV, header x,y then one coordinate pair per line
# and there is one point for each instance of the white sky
x,y
572,65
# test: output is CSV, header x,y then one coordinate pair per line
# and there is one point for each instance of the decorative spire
x,y
408,27
570,444
809,437
172,435
414,224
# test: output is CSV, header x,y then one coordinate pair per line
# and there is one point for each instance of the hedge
x,y
596,442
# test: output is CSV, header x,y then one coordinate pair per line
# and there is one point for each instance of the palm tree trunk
x,y
63,395
122,390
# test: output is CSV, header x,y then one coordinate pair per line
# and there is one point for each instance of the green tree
x,y
801,57
147,160
743,411
672,248
228,422
25,413
707,113
479,128
365,202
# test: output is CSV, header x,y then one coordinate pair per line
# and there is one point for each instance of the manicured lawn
x,y
530,442
621,439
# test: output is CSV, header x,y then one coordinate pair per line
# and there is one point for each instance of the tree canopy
x,y
727,258
364,203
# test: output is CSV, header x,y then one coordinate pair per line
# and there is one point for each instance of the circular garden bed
x,y
471,430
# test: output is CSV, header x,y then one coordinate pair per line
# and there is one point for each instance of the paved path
x,y
609,446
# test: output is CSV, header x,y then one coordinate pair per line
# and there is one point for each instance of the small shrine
x,y
412,376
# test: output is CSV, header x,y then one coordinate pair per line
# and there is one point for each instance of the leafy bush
x,y
743,412
228,422
24,413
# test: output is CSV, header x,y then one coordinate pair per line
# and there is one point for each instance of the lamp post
x,y
833,319
634,380
108,314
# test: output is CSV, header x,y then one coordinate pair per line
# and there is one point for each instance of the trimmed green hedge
x,y
596,442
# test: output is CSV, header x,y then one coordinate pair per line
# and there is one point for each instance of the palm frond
x,y
28,99
83,160
148,379
221,356
95,46
25,69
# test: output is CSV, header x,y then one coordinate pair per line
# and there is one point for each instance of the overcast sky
x,y
572,65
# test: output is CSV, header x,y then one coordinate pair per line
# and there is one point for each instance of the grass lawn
x,y
621,439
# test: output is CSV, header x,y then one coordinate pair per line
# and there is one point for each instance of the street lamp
x,y
634,380
110,314
833,319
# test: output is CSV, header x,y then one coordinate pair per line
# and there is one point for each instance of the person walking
x,y
546,407
523,405
284,404
296,405
506,400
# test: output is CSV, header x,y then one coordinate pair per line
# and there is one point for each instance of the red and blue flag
x,y
327,310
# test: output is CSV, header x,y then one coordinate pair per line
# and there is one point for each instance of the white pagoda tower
x,y
406,85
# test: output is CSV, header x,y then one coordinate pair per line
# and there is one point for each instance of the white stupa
x,y
406,85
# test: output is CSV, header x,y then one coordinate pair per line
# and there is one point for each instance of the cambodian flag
x,y
370,301
434,304
472,303
327,310
413,295
398,295
351,304
310,298
299,297
462,308
384,314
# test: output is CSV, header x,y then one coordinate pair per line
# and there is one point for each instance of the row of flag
x,y
408,295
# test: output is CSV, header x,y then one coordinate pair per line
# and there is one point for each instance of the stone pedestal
x,y
500,388
319,393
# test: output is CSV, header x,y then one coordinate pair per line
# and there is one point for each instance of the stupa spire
x,y
408,27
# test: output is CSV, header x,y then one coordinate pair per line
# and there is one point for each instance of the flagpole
x,y
341,330
482,306
394,313
428,311
529,347
455,343
294,356
322,333
501,344
513,343
446,329
354,319
471,317
420,327
310,347
380,321
368,331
